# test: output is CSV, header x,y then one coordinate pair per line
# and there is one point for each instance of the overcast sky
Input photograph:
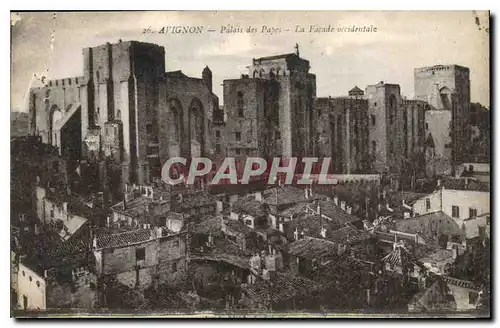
x,y
403,41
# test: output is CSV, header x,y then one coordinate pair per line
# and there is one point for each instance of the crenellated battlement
x,y
66,82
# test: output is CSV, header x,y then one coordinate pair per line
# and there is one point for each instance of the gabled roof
x,y
249,205
465,184
280,287
399,257
337,215
287,195
309,247
124,238
348,235
430,225
355,90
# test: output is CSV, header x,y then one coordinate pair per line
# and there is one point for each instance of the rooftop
x,y
249,205
461,283
348,235
430,225
127,238
337,215
287,195
466,184
280,287
309,247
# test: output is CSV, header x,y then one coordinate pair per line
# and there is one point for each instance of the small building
x,y
54,274
460,199
447,294
142,258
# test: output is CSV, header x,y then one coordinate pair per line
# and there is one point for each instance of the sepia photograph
x,y
250,164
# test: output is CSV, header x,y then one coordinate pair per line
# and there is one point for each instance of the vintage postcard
x,y
250,164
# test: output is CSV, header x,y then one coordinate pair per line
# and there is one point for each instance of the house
x,y
194,204
281,291
54,274
431,226
307,253
64,212
282,197
447,294
143,257
460,199
251,212
216,227
401,262
337,212
475,171
478,226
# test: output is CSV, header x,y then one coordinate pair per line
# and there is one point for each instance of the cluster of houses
x,y
276,248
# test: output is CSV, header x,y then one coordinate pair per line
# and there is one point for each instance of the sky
x,y
403,41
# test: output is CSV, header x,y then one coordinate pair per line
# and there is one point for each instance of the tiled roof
x,y
287,195
465,184
430,225
400,257
309,247
124,238
335,213
222,257
210,225
461,283
297,208
311,225
198,199
249,205
142,206
280,287
396,198
237,226
47,250
348,235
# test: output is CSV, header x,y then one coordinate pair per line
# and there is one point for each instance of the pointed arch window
x,y
196,120
176,122
241,104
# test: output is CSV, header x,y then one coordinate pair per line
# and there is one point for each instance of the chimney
x,y
258,196
439,182
65,207
296,234
454,251
318,209
336,200
368,298
342,205
144,226
466,182
407,215
306,193
108,219
349,210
